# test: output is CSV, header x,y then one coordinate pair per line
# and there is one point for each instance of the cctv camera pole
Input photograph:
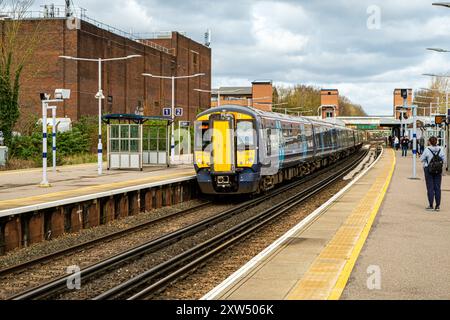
x,y
44,183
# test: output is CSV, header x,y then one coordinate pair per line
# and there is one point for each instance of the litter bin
x,y
3,155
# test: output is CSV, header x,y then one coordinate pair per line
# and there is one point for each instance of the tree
x,y
305,100
16,50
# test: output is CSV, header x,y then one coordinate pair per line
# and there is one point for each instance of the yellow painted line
x,y
348,268
328,274
21,202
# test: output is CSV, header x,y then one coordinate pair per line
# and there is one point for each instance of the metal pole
x,y
44,183
100,96
54,137
218,98
447,138
414,110
172,144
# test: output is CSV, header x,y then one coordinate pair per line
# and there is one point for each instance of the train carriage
x,y
241,150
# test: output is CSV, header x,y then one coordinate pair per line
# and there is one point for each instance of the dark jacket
x,y
404,142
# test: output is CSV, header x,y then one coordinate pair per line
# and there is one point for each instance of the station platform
x,y
372,240
20,191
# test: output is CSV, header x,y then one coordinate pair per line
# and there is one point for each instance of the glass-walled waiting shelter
x,y
131,144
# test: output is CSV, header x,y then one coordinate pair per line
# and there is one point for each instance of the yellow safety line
x,y
20,202
348,268
328,274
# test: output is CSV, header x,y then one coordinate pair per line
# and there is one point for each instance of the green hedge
x,y
81,139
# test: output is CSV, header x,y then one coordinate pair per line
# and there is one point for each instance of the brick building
x,y
329,103
398,103
259,95
124,87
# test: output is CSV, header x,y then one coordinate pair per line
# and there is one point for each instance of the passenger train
x,y
242,150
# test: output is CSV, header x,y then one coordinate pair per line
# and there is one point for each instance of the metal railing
x,y
57,13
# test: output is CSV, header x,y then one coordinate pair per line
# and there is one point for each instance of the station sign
x,y
185,124
167,112
178,112
439,119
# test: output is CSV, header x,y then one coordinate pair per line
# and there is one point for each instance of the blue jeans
x,y
404,151
433,182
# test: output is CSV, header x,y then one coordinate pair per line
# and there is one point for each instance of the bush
x,y
82,139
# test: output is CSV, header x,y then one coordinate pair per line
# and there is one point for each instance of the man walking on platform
x,y
405,145
433,159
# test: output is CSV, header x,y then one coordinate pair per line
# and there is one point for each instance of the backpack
x,y
436,163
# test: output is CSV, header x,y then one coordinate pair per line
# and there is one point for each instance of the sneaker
x,y
429,208
437,209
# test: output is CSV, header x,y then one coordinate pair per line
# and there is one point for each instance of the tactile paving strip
x,y
328,274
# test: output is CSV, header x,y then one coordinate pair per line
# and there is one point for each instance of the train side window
x,y
245,135
269,142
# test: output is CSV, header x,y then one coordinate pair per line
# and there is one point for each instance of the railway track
x,y
109,237
164,273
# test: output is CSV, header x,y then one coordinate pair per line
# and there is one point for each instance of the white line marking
x,y
266,252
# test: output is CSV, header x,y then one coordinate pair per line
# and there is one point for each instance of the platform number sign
x,y
178,112
167,112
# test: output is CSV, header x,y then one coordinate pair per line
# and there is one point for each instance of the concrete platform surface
x,y
407,254
20,188
314,260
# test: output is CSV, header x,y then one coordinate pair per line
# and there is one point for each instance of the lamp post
x,y
100,96
173,78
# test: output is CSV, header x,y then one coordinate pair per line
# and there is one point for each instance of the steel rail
x,y
109,237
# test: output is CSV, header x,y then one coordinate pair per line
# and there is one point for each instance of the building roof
x,y
230,91
133,118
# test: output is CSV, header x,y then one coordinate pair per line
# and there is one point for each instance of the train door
x,y
222,140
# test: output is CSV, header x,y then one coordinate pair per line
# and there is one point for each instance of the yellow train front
x,y
226,151
241,150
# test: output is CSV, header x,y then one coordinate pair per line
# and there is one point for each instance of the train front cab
x,y
226,159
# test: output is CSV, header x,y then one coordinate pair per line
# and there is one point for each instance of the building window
x,y
329,114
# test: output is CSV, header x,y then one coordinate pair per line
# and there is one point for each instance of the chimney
x,y
262,91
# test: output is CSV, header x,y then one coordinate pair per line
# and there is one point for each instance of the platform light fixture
x,y
99,95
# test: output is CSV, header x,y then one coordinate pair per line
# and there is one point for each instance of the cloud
x,y
324,43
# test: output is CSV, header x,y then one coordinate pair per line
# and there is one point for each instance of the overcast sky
x,y
363,48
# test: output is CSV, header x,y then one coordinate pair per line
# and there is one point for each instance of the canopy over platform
x,y
138,119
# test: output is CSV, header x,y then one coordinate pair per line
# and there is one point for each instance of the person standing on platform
x,y
396,142
433,159
405,145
